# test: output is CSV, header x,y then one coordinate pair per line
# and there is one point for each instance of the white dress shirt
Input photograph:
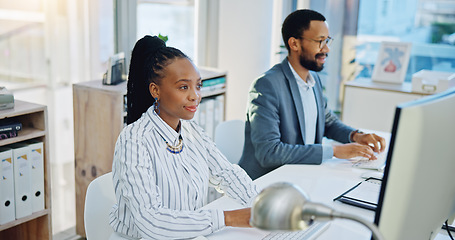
x,y
310,111
159,194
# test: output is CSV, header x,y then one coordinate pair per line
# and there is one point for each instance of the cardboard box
x,y
427,81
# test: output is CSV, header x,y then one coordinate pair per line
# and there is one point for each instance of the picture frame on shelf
x,y
392,62
116,70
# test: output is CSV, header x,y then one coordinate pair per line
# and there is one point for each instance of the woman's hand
x,y
237,218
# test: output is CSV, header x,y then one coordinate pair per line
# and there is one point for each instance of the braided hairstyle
x,y
149,58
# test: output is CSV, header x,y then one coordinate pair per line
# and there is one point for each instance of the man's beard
x,y
311,64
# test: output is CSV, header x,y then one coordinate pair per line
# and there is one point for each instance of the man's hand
x,y
351,150
370,139
237,218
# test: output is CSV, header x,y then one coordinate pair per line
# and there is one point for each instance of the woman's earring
x,y
156,106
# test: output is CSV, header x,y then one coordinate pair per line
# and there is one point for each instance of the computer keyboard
x,y
310,233
378,164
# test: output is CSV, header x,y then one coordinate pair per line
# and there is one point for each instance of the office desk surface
x,y
322,183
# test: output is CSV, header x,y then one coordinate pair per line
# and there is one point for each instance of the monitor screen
x,y
418,191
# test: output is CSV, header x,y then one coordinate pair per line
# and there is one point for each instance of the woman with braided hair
x,y
163,162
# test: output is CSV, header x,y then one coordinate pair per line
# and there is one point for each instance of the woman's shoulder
x,y
137,130
191,126
193,130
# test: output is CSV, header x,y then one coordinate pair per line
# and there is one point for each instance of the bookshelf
x,y
34,126
100,115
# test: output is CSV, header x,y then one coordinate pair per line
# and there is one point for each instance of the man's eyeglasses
x,y
328,41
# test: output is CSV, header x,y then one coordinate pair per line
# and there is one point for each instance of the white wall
x,y
245,30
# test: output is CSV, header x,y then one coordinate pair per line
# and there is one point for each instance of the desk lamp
x,y
284,206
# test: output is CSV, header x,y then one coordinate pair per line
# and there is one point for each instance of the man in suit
x,y
287,116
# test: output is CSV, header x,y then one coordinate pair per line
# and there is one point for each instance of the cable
x,y
448,227
374,229
448,230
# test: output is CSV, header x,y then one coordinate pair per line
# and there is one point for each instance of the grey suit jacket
x,y
275,124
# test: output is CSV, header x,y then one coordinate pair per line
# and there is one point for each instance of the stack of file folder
x,y
22,180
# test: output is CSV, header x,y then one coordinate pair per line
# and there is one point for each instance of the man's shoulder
x,y
274,75
277,69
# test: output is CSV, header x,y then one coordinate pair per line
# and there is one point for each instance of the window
x,y
22,43
428,24
172,18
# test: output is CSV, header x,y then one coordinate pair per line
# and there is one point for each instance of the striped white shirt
x,y
159,194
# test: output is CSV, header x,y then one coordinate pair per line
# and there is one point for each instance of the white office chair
x,y
99,200
229,138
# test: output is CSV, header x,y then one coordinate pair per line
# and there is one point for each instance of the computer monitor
x,y
418,191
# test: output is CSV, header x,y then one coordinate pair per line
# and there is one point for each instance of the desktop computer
x,y
418,191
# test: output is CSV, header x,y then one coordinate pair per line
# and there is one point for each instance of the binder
x,y
202,114
22,178
213,85
7,205
218,113
37,175
363,194
221,104
209,122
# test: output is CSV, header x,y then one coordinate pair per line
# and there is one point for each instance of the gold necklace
x,y
174,149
